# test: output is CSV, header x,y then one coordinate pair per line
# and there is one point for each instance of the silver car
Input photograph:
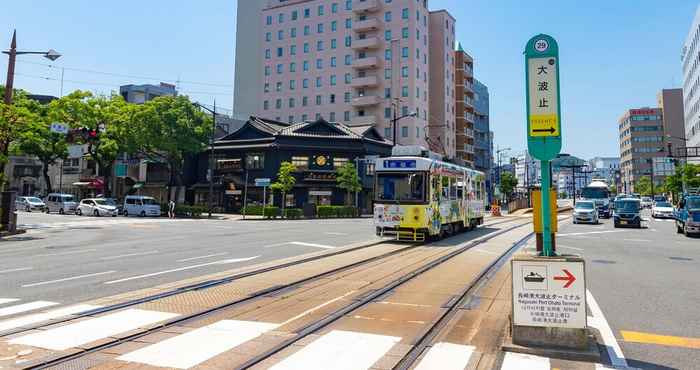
x,y
585,211
29,204
96,207
61,203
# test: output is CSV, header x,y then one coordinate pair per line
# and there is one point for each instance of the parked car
x,y
116,204
141,206
662,209
29,204
646,202
627,213
96,207
61,203
585,211
688,214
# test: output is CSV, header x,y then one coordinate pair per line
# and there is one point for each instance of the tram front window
x,y
399,187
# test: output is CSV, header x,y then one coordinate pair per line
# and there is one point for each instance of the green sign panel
x,y
120,170
542,97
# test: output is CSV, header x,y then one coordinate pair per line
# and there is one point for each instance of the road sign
x,y
120,169
549,292
59,128
262,182
542,97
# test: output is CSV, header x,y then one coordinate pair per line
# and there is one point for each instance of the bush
x,y
292,213
325,211
271,212
336,211
254,210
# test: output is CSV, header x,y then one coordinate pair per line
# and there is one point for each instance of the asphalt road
x,y
645,281
69,259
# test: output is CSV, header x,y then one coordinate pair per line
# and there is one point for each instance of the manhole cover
x,y
680,258
607,262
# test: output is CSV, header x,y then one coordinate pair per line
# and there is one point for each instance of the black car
x,y
628,213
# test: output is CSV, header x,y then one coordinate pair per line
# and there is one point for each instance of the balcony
x,y
368,81
469,133
469,87
365,25
363,120
364,63
367,43
469,102
364,6
468,71
469,117
363,101
469,148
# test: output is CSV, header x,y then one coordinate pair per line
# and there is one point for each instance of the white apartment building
x,y
690,62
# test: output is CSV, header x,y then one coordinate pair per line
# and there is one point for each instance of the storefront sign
x,y
262,182
233,192
319,176
320,193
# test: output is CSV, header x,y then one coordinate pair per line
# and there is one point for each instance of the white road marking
x,y
276,245
316,308
637,240
108,258
519,361
592,232
567,247
222,262
202,257
40,317
68,336
405,304
65,253
339,350
199,345
15,270
8,300
617,358
334,233
25,307
446,356
313,245
68,279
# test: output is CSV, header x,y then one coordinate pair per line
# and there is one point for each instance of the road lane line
x,y
637,240
8,300
65,253
335,233
339,350
109,258
25,307
199,345
68,279
446,356
222,262
83,332
519,361
313,245
617,358
664,340
317,308
202,257
15,270
592,232
40,317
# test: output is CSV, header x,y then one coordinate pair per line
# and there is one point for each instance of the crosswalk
x,y
334,350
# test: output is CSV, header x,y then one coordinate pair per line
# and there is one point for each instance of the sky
x,y
614,55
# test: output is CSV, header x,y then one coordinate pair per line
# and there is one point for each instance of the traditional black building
x,y
317,149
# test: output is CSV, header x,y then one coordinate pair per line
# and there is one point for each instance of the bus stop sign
x,y
542,97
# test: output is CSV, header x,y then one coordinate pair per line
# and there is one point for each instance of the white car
x,y
646,202
585,211
29,204
662,210
96,207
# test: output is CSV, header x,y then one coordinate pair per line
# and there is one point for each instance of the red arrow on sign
x,y
569,278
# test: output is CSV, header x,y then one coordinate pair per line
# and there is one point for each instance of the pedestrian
x,y
171,209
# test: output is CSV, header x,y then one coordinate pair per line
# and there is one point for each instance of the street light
x,y
211,153
500,168
396,119
51,55
685,156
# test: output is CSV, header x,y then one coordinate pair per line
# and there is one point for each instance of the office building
x,y
464,106
605,168
483,142
671,103
690,56
641,140
442,124
139,94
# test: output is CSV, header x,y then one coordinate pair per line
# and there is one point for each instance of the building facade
x,y
690,64
641,140
607,168
671,103
527,171
483,139
465,110
442,124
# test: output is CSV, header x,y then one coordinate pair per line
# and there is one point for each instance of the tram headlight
x,y
416,213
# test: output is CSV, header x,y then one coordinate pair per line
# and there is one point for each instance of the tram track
x,y
200,315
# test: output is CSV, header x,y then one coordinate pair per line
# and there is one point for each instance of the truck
x,y
598,192
687,213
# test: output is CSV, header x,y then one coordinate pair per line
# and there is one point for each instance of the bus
x,y
420,198
598,191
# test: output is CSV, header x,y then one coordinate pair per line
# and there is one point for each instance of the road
x,y
68,259
646,283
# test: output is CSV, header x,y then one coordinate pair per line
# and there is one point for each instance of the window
x,y
334,26
348,4
348,78
319,63
400,187
255,161
278,104
295,15
267,87
267,70
306,47
280,52
304,103
290,119
346,116
332,117
404,13
292,84
293,32
280,18
332,98
404,110
417,34
348,23
268,36
404,131
278,86
347,97
404,32
334,62
304,117
404,52
301,163
417,132
268,20
319,28
280,68
319,45
318,116
348,60
334,8
307,13
306,66
320,10
404,71
266,105
319,99
305,83
293,50
280,35
333,81
387,16
387,92
268,54
319,81
387,132
291,102
387,112
387,54
334,43
348,41
387,74
339,162
307,30
387,35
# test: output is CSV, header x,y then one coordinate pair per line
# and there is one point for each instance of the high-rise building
x,y
641,140
690,54
671,103
482,139
464,106
360,62
442,124
139,94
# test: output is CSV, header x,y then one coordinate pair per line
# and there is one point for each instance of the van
x,y
61,203
141,206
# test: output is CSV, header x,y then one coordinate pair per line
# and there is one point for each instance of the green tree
x,y
35,138
12,119
348,180
674,183
508,184
643,186
285,181
169,129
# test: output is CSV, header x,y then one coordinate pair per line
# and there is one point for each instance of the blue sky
x,y
614,54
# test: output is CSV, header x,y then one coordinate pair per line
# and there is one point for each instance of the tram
x,y
418,198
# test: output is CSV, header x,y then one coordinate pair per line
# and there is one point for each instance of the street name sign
x,y
262,182
549,292
542,97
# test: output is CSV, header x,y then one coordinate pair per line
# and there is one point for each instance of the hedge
x,y
336,211
253,210
292,213
185,210
271,212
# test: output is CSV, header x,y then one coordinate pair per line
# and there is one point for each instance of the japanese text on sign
x,y
544,105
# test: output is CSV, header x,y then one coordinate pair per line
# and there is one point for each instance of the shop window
x,y
301,163
339,162
255,161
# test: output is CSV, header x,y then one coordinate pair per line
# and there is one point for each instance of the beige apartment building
x,y
360,62
464,97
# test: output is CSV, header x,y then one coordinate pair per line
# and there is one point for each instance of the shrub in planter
x,y
254,210
292,213
326,211
271,212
